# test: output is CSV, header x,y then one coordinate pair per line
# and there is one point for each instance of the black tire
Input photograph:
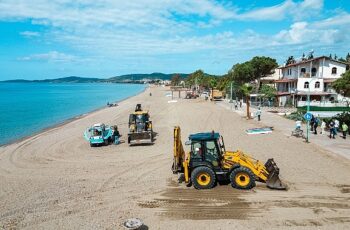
x,y
106,142
129,139
203,178
92,145
242,178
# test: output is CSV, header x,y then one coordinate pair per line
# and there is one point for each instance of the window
x,y
306,85
289,71
317,85
211,154
196,150
303,70
313,71
334,70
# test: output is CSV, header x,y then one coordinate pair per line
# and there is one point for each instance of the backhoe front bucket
x,y
273,181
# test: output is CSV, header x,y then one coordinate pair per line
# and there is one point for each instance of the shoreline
x,y
67,121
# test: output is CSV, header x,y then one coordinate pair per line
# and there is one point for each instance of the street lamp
x,y
231,101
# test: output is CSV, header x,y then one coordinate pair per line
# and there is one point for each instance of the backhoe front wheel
x,y
203,178
242,178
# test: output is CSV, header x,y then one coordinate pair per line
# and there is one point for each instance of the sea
x,y
28,108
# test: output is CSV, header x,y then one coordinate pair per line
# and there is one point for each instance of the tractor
x,y
140,127
208,162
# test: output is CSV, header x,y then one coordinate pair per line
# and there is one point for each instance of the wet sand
x,y
55,180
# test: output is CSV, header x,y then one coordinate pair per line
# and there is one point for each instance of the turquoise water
x,y
26,108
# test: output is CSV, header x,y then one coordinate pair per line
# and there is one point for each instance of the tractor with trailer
x,y
208,162
140,127
216,95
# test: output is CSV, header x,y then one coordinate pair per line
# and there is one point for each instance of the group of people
x,y
238,103
334,127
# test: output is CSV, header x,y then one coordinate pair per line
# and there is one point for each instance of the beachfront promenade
x,y
55,180
285,126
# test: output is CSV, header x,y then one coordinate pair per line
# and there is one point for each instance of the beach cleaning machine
x,y
209,162
99,134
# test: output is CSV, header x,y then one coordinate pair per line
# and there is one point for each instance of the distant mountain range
x,y
128,78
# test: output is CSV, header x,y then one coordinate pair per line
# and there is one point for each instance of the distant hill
x,y
128,78
140,77
72,79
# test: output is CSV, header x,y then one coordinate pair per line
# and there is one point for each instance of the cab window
x,y
211,151
196,150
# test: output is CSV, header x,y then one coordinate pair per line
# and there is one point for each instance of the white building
x,y
312,77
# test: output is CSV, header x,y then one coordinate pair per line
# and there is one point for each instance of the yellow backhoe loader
x,y
209,162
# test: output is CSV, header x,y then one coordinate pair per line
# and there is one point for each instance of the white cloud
x,y
276,12
52,56
289,8
30,34
342,19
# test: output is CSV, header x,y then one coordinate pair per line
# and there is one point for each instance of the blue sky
x,y
47,39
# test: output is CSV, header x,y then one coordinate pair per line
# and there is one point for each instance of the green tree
x,y
263,66
268,91
342,85
291,60
341,59
213,82
242,73
175,80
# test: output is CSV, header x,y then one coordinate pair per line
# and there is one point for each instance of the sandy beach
x,y
55,180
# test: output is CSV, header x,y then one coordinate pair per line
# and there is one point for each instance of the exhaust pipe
x,y
273,181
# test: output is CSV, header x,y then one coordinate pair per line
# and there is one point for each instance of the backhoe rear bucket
x,y
273,181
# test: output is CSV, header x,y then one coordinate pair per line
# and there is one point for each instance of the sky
x,y
42,39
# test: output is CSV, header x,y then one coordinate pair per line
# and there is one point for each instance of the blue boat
x,y
99,134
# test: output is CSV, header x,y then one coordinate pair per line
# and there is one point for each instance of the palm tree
x,y
246,90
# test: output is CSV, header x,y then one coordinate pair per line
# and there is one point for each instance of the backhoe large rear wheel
x,y
242,178
203,178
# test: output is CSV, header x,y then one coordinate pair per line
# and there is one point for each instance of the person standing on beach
x,y
323,127
316,122
236,105
240,103
258,113
312,123
345,129
336,126
331,130
116,135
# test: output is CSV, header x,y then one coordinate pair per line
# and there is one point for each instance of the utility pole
x,y
307,111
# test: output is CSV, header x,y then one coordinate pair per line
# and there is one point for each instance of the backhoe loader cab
x,y
209,162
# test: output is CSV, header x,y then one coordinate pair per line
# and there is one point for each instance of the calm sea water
x,y
26,108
